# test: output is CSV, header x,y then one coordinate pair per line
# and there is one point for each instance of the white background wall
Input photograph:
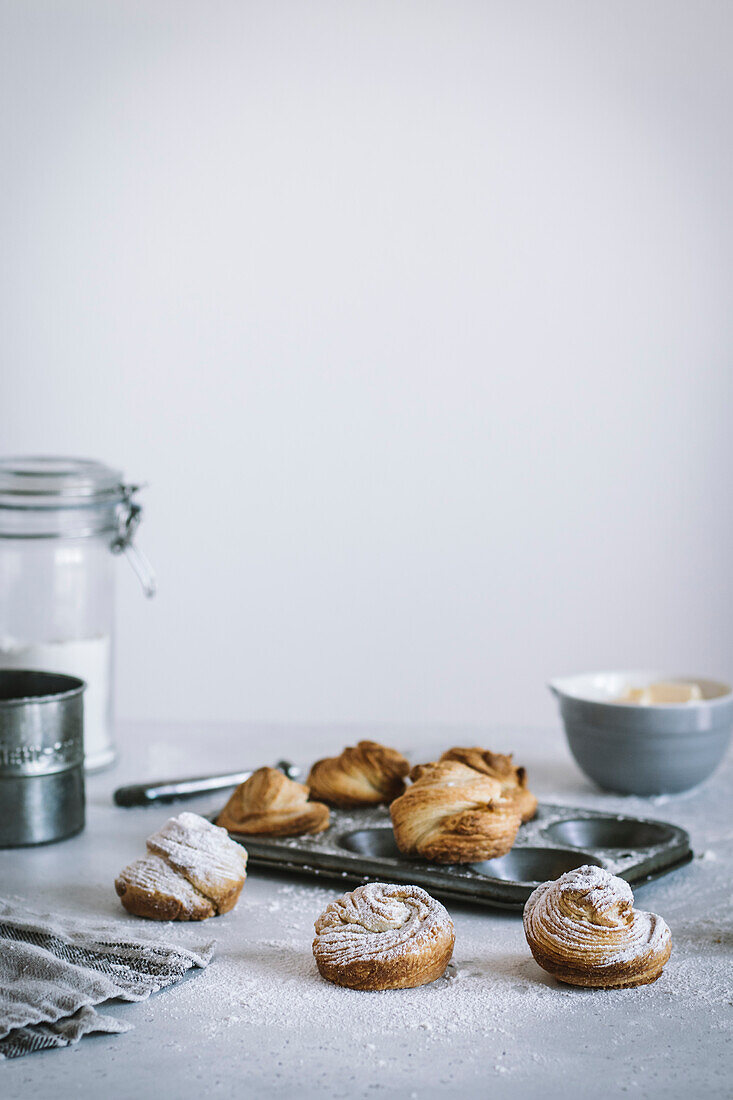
x,y
415,315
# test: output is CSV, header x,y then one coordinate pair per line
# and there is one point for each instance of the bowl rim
x,y
558,685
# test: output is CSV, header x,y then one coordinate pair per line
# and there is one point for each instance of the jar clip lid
x,y
128,521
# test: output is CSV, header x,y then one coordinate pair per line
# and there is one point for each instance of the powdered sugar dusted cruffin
x,y
383,936
584,930
193,871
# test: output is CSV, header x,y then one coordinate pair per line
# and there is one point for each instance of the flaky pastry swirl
x,y
583,929
500,767
270,804
365,775
192,870
454,814
382,936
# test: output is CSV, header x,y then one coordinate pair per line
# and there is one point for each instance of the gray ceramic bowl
x,y
645,750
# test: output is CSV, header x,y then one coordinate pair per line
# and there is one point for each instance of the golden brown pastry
x,y
454,814
270,804
583,929
365,775
498,766
383,937
192,871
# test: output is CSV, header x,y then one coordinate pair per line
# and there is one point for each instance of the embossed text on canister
x,y
41,757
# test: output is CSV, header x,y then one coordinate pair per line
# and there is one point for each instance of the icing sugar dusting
x,y
203,853
602,889
587,917
379,920
190,860
263,1003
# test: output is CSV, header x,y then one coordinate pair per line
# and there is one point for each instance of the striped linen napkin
x,y
53,970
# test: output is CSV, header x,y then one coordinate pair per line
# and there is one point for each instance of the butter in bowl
x,y
645,733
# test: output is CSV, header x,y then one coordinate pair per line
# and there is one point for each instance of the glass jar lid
x,y
53,482
48,497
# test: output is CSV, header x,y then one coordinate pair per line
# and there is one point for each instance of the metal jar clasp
x,y
129,515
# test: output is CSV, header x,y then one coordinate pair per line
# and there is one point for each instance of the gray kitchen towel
x,y
54,969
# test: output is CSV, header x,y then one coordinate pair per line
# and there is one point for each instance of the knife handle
x,y
171,790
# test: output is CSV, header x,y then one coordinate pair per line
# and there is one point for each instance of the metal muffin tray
x,y
359,847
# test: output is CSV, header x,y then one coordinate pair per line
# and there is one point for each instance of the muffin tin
x,y
359,846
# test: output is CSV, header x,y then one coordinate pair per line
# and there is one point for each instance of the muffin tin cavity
x,y
534,865
624,833
359,846
372,842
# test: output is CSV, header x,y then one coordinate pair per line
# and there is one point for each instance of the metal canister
x,y
41,757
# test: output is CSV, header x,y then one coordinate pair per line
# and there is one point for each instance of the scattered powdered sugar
x,y
493,1014
278,986
489,989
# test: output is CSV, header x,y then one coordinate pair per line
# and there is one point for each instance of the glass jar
x,y
61,522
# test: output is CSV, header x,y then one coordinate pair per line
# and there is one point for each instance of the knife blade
x,y
172,790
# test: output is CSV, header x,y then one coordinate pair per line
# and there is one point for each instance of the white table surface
x,y
260,1022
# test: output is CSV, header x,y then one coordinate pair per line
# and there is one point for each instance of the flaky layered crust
x,y
454,814
192,871
583,929
513,779
270,804
150,888
382,936
365,775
